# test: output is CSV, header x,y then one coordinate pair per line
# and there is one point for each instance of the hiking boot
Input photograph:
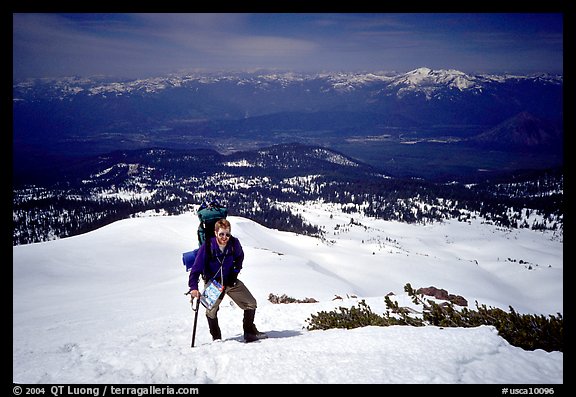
x,y
251,333
254,336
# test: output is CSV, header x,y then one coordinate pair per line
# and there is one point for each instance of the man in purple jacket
x,y
220,258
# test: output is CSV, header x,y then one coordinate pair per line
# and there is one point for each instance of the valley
x,y
415,147
409,124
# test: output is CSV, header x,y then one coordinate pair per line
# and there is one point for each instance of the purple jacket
x,y
230,260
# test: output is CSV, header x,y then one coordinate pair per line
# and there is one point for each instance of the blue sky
x,y
142,45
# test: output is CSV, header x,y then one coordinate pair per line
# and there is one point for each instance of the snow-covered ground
x,y
109,306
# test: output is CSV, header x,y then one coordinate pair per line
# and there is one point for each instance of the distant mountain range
x,y
238,111
421,80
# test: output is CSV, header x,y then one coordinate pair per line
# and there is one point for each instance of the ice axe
x,y
195,310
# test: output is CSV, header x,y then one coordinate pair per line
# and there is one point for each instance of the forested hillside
x,y
254,184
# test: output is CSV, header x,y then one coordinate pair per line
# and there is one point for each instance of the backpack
x,y
208,215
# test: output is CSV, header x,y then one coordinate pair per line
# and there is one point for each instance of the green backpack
x,y
208,215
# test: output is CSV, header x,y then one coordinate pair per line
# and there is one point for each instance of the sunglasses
x,y
222,235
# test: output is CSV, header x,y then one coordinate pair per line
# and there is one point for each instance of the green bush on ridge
x,y
528,331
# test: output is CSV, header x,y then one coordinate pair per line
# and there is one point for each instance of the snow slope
x,y
109,306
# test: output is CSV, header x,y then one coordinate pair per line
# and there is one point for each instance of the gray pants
x,y
239,294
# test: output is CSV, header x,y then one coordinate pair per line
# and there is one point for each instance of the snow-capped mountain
x,y
236,111
418,80
430,81
241,95
98,159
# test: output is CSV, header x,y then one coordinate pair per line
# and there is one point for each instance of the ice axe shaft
x,y
195,309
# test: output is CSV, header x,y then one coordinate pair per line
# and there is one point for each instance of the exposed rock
x,y
443,295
